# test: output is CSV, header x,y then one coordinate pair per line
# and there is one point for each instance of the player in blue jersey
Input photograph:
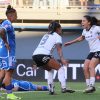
x,y
20,85
7,52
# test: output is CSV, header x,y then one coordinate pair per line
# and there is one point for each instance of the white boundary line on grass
x,y
38,91
44,91
26,92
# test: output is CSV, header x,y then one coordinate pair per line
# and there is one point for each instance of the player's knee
x,y
6,81
85,69
91,68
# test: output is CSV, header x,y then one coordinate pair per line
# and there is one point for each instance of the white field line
x,y
46,91
38,91
26,92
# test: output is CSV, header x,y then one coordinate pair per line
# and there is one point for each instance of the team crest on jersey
x,y
6,26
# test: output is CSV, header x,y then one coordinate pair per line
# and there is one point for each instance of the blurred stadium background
x,y
34,17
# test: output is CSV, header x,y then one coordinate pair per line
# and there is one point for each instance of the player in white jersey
x,y
42,55
91,34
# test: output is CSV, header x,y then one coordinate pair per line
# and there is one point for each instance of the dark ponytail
x,y
9,7
94,21
10,10
53,26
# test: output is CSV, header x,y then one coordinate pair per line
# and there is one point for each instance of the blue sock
x,y
45,88
9,88
1,82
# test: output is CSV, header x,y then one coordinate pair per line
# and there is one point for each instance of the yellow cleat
x,y
11,96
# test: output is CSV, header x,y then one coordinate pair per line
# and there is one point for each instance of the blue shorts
x,y
7,63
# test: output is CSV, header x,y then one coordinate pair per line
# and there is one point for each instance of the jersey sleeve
x,y
7,26
15,83
83,33
58,39
98,29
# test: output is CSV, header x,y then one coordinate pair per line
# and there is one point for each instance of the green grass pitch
x,y
78,95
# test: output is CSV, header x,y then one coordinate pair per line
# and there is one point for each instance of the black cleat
x,y
64,90
90,89
51,89
51,93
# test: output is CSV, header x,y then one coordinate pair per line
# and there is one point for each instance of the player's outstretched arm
x,y
60,53
81,38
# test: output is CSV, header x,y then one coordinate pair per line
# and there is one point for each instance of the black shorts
x,y
94,55
41,59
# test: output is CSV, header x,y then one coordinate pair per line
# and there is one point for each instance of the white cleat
x,y
90,89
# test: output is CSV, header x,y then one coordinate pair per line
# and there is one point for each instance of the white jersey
x,y
47,44
91,37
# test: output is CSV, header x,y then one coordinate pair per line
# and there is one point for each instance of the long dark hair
x,y
93,20
53,26
10,10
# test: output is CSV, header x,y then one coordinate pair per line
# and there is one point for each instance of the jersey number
x,y
44,40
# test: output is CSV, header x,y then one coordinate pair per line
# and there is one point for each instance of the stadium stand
x,y
36,14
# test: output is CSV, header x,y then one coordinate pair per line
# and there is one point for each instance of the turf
x,y
78,95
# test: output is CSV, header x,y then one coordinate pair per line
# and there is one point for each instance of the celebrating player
x,y
91,34
42,55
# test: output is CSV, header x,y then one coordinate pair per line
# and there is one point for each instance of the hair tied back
x,y
9,7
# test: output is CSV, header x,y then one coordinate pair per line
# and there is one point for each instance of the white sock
x,y
61,77
92,81
50,77
88,82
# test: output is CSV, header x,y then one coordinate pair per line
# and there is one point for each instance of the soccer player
x,y
20,85
62,80
7,52
42,54
91,34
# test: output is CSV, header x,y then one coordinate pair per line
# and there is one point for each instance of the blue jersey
x,y
7,58
10,34
24,85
